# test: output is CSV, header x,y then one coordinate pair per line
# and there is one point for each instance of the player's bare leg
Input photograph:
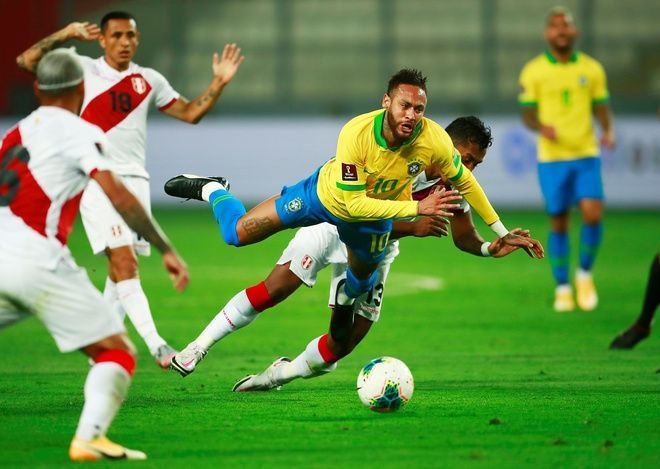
x,y
641,328
123,272
591,234
559,251
105,389
237,227
240,311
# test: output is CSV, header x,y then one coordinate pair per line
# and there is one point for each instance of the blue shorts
x,y
299,205
563,183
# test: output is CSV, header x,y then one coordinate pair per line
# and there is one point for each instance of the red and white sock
x,y
135,303
315,360
241,310
105,389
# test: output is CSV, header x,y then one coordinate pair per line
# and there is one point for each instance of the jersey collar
x,y
378,133
551,58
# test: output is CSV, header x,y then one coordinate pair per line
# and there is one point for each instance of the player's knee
x,y
123,267
355,287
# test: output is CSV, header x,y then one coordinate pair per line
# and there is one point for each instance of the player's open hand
x,y
177,269
83,31
225,67
430,226
519,238
439,203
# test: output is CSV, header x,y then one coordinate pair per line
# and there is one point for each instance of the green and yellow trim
x,y
553,60
378,133
604,99
351,187
527,103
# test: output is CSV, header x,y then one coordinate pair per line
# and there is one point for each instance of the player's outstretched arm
x,y
420,228
224,68
82,31
519,238
137,218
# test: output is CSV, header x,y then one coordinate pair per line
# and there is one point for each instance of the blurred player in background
x,y
560,89
46,160
316,247
117,99
641,328
360,191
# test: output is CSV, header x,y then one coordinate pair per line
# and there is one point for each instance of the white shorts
x,y
64,299
105,228
315,247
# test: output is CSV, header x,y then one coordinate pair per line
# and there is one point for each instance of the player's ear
x,y
35,87
386,101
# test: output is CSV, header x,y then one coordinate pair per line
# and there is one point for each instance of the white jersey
x,y
118,102
45,163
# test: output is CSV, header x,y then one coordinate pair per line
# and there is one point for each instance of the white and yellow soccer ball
x,y
385,384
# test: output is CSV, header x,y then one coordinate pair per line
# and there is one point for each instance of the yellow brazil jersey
x,y
564,94
367,180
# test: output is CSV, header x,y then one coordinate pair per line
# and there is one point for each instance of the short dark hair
x,y
470,129
406,76
115,15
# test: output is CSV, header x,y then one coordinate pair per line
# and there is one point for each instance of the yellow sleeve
x,y
351,181
448,161
465,182
528,95
599,93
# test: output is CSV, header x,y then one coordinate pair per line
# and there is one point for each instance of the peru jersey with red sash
x,y
45,163
118,102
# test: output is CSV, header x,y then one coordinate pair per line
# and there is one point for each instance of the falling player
x,y
45,162
314,248
117,98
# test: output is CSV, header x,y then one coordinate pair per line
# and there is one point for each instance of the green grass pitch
x,y
501,380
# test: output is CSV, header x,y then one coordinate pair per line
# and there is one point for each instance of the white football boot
x,y
163,356
264,381
187,359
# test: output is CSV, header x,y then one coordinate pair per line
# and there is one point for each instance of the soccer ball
x,y
385,384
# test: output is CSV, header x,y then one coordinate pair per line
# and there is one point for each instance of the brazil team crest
x,y
414,168
294,205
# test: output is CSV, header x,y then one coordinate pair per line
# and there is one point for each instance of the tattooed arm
x,y
29,59
224,70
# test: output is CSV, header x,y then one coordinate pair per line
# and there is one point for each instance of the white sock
x,y
105,389
135,303
309,364
111,297
238,313
209,188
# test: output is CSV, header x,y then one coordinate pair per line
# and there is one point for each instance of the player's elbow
x,y
23,65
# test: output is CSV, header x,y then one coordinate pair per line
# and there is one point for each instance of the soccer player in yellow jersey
x,y
360,191
560,89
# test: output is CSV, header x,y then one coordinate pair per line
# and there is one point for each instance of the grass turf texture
x,y
500,378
